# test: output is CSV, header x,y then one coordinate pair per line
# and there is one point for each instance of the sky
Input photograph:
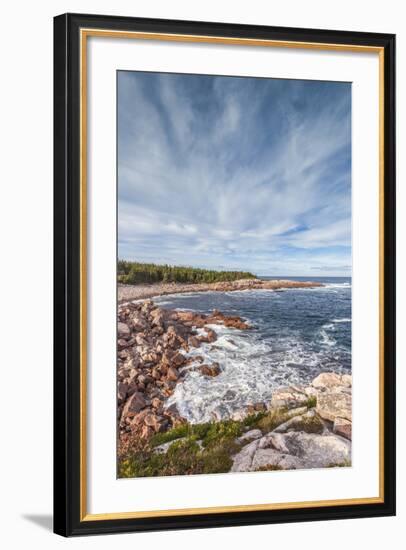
x,y
235,173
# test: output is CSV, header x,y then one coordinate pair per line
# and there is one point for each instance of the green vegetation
x,y
270,421
209,433
311,402
205,448
252,420
184,430
181,458
139,273
310,425
195,449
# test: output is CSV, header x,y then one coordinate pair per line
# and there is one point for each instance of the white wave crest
x,y
251,369
326,339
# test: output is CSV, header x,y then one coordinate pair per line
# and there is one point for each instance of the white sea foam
x,y
273,354
170,296
248,292
328,287
251,369
326,339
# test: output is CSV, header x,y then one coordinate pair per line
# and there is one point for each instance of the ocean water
x,y
295,335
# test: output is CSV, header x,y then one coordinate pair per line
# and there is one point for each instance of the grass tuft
x,y
272,420
175,433
311,402
252,420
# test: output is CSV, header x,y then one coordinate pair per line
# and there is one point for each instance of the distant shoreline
x,y
126,293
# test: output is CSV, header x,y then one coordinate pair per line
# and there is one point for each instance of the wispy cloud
x,y
238,172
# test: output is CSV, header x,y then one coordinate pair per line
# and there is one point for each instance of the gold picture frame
x,y
71,38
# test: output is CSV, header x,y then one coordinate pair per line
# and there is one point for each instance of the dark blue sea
x,y
295,335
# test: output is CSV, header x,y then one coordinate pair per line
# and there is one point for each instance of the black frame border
x,y
67,521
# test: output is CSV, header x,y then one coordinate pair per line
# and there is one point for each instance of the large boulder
x,y
210,370
134,404
334,404
269,459
327,380
172,374
178,359
289,397
293,450
185,316
249,436
194,341
209,337
242,461
309,422
334,400
314,450
153,421
231,321
343,427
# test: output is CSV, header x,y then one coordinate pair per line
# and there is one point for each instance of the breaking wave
x,y
295,335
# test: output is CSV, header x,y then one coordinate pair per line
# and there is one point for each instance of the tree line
x,y
138,273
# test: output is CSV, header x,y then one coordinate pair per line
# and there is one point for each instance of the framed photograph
x,y
224,274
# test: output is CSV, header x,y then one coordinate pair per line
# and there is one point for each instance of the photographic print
x,y
224,263
234,274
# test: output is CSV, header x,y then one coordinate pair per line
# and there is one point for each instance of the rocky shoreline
x,y
141,292
151,348
301,427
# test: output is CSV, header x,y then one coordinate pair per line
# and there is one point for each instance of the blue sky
x,y
235,173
